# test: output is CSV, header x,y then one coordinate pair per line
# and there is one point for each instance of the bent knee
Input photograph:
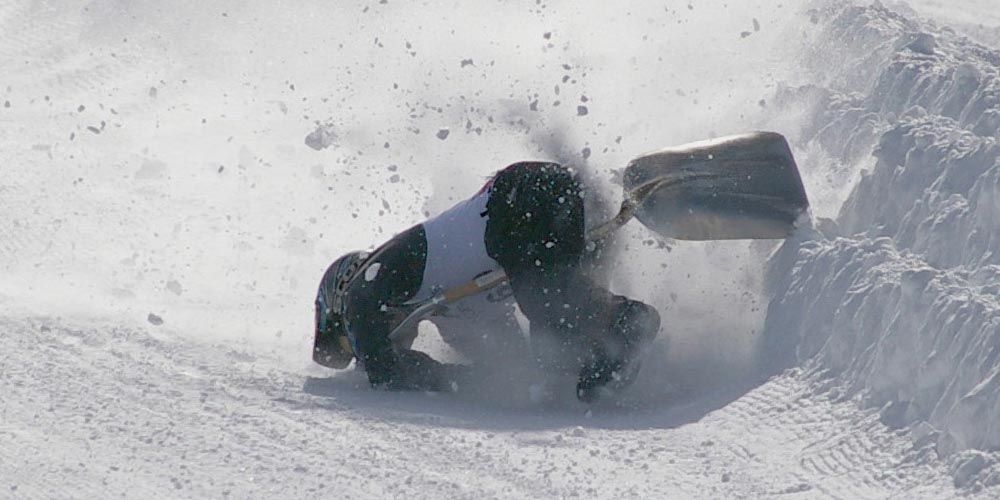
x,y
638,322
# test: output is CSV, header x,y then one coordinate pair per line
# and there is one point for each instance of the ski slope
x,y
165,224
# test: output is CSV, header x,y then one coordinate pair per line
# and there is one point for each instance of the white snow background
x,y
164,225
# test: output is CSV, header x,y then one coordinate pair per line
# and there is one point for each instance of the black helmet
x,y
332,345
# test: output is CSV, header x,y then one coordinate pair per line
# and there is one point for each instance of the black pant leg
x,y
536,232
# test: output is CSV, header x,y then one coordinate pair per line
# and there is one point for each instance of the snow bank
x,y
898,299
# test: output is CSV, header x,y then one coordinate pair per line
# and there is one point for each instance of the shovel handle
x,y
426,307
480,284
625,214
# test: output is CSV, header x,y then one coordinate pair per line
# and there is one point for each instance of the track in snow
x,y
106,412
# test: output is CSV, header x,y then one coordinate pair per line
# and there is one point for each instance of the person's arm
x,y
417,370
401,368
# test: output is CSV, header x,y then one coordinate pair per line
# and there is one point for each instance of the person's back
x,y
456,250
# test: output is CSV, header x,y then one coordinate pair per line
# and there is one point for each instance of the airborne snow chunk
x,y
321,138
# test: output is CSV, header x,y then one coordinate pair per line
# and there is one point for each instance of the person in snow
x,y
528,220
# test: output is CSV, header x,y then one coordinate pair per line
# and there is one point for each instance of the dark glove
x,y
416,370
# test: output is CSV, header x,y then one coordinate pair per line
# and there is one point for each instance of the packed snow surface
x,y
176,177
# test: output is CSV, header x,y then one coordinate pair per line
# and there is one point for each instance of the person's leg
x,y
536,232
565,311
580,327
615,361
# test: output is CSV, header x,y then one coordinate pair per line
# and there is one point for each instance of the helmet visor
x,y
331,347
334,354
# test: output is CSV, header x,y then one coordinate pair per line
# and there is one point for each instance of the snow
x,y
978,18
176,179
898,300
177,420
